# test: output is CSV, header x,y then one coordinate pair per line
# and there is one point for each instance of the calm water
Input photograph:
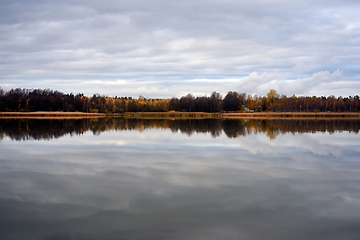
x,y
132,179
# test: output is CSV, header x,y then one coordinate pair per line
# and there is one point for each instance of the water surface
x,y
193,179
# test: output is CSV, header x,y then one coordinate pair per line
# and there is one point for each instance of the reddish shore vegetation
x,y
50,114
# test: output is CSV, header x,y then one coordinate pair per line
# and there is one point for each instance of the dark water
x,y
160,179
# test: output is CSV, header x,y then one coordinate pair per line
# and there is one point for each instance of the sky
x,y
166,49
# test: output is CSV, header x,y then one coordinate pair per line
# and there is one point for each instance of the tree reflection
x,y
47,129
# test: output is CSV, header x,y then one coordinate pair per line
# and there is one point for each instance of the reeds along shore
x,y
294,115
172,114
50,115
184,115
237,115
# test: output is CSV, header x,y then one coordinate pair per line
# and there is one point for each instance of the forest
x,y
32,100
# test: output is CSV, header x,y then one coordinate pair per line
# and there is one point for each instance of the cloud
x,y
320,83
260,84
277,42
300,86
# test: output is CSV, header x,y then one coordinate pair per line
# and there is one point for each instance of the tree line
x,y
32,100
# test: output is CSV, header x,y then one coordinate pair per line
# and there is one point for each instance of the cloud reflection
x,y
159,184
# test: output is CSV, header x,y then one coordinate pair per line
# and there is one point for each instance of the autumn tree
x,y
271,97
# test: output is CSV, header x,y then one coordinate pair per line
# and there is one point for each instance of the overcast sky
x,y
163,48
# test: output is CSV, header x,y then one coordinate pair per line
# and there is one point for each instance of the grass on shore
x,y
50,115
291,115
238,115
171,115
184,115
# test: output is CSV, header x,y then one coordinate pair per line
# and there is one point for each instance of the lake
x,y
179,179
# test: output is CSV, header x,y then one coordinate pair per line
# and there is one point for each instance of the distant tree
x,y
215,102
186,103
49,100
2,105
174,104
231,102
271,97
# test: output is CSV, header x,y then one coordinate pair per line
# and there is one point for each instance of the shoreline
x,y
292,115
45,115
186,115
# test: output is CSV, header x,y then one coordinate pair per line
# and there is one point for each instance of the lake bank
x,y
187,115
291,115
50,115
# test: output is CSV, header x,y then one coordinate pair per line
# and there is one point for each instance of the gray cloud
x,y
45,44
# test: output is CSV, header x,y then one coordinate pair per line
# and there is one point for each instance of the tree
x,y
231,102
271,97
215,102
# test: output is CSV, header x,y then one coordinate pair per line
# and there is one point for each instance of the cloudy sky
x,y
163,48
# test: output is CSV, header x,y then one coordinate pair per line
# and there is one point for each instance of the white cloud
x,y
260,84
287,46
302,86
